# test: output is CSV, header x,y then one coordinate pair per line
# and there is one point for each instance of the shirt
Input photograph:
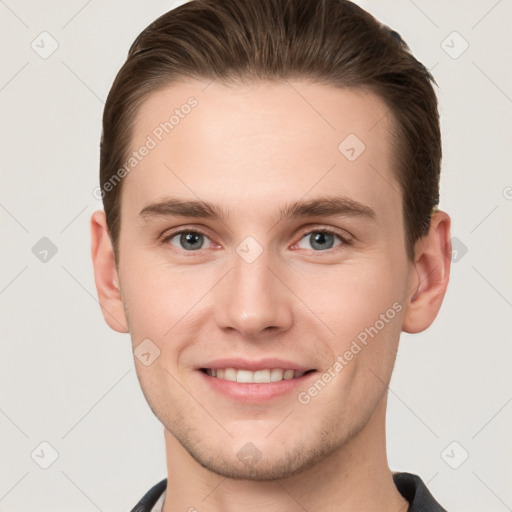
x,y
410,486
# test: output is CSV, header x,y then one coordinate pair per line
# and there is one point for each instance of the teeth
x,y
229,374
276,375
259,376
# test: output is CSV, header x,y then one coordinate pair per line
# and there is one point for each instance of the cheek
x,y
352,297
363,308
158,295
361,304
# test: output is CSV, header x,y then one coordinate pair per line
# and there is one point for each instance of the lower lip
x,y
252,392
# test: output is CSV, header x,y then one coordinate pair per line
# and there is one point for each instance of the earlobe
x,y
429,276
105,274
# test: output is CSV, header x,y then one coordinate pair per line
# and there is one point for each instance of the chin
x,y
271,463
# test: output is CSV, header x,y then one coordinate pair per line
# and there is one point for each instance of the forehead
x,y
264,142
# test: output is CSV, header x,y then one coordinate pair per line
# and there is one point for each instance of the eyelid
x,y
345,237
171,233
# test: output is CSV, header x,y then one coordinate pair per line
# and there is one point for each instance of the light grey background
x,y
68,380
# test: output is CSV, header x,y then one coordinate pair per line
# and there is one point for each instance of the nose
x,y
253,301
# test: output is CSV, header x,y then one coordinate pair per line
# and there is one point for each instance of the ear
x,y
105,274
429,275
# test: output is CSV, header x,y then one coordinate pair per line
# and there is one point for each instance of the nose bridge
x,y
252,300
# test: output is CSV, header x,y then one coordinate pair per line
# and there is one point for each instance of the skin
x,y
252,150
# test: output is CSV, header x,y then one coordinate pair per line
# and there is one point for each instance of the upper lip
x,y
254,365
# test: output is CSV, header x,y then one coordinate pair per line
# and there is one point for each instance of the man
x,y
269,172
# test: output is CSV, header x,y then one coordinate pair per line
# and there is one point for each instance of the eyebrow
x,y
319,207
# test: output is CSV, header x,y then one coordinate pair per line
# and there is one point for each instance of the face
x,y
262,258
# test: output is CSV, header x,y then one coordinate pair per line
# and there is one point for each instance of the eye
x,y
321,240
187,240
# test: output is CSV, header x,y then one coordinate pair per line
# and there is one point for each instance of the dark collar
x,y
410,486
151,497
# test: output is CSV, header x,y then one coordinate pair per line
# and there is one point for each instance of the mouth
x,y
254,381
263,376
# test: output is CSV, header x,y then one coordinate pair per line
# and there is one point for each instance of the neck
x,y
355,477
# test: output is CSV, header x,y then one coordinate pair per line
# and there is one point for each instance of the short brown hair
x,y
332,42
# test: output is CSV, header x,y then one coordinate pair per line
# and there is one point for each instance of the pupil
x,y
190,240
322,240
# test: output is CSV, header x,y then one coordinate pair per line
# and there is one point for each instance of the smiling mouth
x,y
257,377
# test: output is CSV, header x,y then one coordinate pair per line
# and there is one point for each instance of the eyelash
x,y
345,240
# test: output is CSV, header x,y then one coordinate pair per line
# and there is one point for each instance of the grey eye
x,y
319,240
188,240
